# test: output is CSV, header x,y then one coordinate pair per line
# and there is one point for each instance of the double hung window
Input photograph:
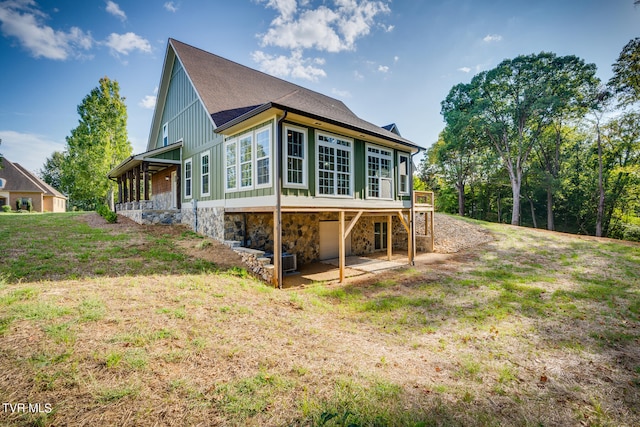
x,y
295,157
379,173
204,165
187,178
403,174
248,160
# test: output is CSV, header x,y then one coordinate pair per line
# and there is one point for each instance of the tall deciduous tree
x,y
98,144
511,105
626,74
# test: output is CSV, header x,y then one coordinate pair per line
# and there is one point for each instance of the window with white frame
x,y
165,134
263,157
231,164
295,158
403,173
187,178
335,169
248,160
379,173
204,174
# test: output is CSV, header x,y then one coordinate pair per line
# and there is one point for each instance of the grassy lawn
x,y
104,326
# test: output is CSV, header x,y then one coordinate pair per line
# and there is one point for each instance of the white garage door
x,y
329,232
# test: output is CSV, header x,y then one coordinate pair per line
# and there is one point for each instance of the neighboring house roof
x,y
232,93
19,179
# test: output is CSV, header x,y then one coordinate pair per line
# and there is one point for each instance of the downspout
x,y
278,217
412,224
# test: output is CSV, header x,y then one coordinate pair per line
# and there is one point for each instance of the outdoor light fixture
x,y
166,178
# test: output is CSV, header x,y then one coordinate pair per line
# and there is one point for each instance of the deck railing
x,y
423,199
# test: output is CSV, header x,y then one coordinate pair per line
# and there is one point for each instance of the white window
x,y
165,134
403,173
335,168
263,157
295,173
248,161
232,169
379,173
187,178
204,173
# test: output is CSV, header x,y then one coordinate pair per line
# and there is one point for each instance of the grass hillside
x,y
123,325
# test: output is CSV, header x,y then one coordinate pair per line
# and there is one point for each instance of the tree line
x,y
541,141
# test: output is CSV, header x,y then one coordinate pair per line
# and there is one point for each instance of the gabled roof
x,y
19,179
232,92
392,128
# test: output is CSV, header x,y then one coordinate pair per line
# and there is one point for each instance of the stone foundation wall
x,y
300,233
162,200
153,217
206,221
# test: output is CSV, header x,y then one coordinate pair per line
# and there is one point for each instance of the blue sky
x,y
389,61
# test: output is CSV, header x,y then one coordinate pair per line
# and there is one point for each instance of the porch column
x,y
136,179
130,179
178,188
120,189
341,246
146,179
389,237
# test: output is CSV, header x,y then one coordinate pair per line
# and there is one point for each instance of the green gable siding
x,y
169,155
188,121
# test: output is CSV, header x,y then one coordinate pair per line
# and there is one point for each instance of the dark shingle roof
x,y
230,90
19,179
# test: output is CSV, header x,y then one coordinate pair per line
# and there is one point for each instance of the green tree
x,y
511,105
621,158
51,172
625,82
95,146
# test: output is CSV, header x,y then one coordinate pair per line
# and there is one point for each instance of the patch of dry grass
x,y
531,329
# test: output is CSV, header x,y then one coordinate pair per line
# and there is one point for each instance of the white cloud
x,y
24,21
293,66
114,9
171,6
286,8
126,43
29,149
464,69
396,58
383,68
492,38
149,101
358,75
323,28
341,93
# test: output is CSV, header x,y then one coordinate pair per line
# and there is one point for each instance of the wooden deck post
x,y
341,246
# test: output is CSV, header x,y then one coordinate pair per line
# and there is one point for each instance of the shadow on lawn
x,y
72,246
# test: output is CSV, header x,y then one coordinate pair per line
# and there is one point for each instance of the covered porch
x,y
149,189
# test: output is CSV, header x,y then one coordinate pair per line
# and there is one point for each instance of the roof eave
x,y
279,107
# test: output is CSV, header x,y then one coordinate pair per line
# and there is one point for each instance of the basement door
x,y
329,240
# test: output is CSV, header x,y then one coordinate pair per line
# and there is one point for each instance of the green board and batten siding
x,y
188,121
